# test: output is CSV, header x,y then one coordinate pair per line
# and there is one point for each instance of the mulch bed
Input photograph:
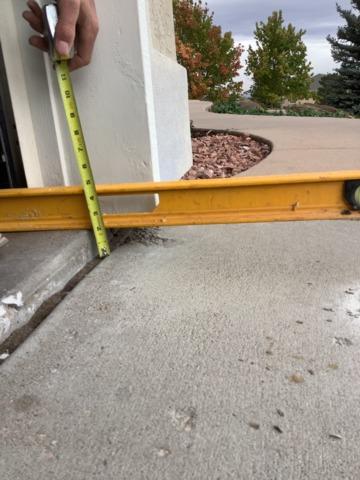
x,y
223,155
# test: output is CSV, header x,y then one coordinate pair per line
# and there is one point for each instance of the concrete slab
x,y
227,352
301,144
33,267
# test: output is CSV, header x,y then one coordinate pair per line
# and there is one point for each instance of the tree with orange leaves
x,y
211,58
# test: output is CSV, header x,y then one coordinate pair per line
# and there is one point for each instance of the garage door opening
x,y
11,167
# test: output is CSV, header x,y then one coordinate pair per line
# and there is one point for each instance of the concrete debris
x,y
183,419
277,429
4,320
343,342
296,378
163,452
3,240
350,291
254,425
14,301
4,356
8,308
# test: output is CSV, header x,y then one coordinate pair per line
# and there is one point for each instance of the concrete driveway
x,y
197,353
301,144
208,353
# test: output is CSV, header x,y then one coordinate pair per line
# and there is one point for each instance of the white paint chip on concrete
x,y
4,356
8,307
15,300
3,240
4,321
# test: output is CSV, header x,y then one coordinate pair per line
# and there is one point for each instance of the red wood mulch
x,y
224,155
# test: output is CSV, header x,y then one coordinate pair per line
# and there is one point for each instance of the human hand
x,y
78,25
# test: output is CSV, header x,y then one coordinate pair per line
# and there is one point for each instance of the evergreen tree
x,y
346,51
211,58
278,65
331,90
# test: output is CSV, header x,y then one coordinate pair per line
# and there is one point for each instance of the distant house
x,y
314,87
315,84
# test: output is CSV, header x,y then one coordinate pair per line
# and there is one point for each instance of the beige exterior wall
x,y
162,27
170,93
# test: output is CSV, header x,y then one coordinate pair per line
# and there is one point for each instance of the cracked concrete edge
x,y
50,279
46,280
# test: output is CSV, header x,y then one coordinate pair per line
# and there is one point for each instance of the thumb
x,y
66,28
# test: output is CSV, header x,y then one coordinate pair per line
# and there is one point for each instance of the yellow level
x,y
315,196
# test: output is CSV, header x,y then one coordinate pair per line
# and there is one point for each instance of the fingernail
x,y
62,48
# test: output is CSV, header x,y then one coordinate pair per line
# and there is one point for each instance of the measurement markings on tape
x,y
61,66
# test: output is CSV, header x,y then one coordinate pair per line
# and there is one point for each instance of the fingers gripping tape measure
x,y
61,66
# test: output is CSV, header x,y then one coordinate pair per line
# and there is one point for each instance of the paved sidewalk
x,y
300,144
225,352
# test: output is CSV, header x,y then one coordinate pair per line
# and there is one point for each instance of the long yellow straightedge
x,y
316,196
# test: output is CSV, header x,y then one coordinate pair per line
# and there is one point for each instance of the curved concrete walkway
x,y
301,144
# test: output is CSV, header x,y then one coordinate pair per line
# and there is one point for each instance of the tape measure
x,y
61,66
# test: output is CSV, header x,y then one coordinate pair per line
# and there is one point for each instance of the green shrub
x,y
313,112
234,108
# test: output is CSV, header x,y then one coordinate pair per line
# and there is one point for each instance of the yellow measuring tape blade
x,y
82,157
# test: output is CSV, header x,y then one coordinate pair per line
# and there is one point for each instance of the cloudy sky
x,y
318,17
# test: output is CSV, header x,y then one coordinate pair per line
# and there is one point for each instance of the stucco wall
x,y
170,94
162,27
172,117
